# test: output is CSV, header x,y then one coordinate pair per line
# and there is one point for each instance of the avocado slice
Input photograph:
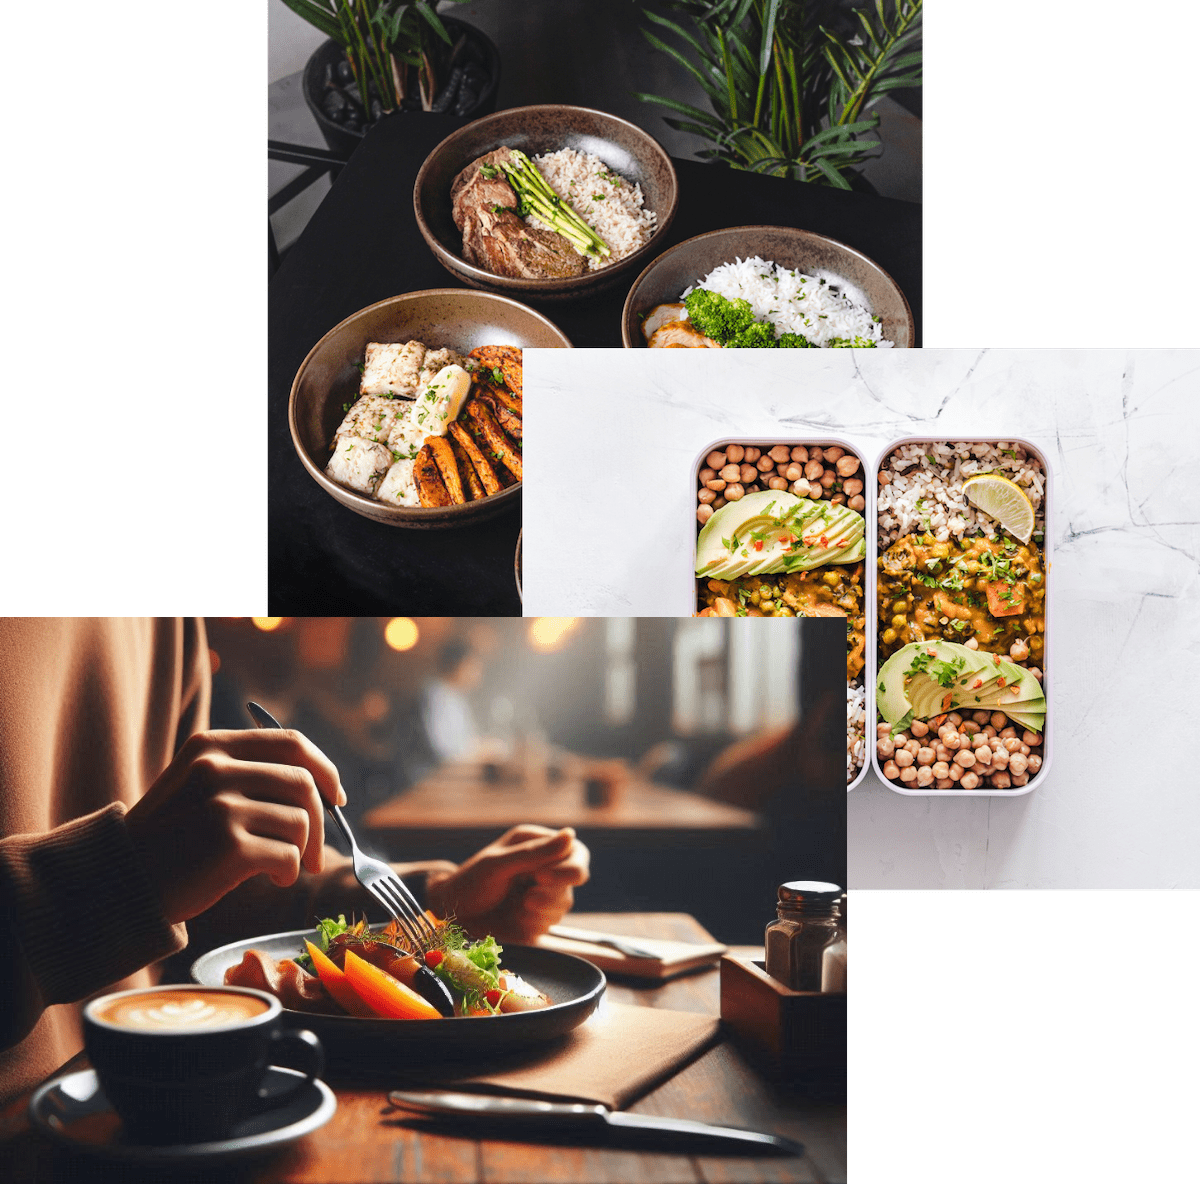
x,y
775,531
920,694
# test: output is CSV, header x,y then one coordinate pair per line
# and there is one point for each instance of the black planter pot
x,y
328,54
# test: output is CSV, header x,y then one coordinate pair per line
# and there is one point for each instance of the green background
x,y
1023,1037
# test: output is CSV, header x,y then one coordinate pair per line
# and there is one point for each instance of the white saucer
x,y
73,1110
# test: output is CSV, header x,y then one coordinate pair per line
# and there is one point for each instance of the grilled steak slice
x,y
495,238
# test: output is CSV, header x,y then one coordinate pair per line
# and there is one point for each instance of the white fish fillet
x,y
435,360
393,367
398,488
359,464
372,418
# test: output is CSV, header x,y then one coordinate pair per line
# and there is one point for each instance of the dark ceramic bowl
x,y
814,254
625,149
442,318
517,565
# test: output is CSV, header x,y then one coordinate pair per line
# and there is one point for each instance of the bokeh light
x,y
401,633
548,634
267,624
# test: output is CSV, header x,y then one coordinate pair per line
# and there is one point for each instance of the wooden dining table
x,y
368,1142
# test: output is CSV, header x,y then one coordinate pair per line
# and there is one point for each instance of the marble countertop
x,y
608,514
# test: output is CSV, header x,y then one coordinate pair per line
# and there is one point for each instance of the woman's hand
x,y
229,806
516,887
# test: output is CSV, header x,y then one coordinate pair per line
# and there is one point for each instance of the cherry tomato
x,y
434,958
494,997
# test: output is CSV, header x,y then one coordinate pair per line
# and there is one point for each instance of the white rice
x,y
815,307
925,491
856,728
606,202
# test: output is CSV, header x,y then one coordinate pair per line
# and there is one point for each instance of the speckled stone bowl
x,y
440,317
677,269
624,148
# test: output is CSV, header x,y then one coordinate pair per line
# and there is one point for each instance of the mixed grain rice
x,y
856,727
933,474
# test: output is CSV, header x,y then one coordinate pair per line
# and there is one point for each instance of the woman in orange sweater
x,y
123,822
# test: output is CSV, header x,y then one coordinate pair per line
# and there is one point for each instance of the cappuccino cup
x,y
185,1064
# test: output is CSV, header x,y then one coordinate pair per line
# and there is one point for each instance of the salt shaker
x,y
807,923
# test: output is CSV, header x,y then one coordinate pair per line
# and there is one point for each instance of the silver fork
x,y
373,874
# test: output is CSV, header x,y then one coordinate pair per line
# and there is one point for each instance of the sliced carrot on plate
x,y
385,995
334,981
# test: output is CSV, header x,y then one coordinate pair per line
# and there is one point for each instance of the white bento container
x,y
1047,658
869,487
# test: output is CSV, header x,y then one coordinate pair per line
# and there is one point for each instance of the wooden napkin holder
x,y
798,1037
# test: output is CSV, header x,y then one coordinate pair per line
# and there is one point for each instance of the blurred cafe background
x,y
699,759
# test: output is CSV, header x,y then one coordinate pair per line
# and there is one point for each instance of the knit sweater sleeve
x,y
78,914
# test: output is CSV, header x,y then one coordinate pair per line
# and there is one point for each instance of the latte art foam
x,y
176,1011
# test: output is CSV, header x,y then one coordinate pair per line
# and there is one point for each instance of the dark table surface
x,y
363,245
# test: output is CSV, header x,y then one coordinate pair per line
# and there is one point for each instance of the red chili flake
x,y
946,699
1000,681
758,546
977,684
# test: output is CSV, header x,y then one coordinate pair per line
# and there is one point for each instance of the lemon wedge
x,y
1002,499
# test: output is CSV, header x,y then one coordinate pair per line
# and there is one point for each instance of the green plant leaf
x,y
434,22
319,17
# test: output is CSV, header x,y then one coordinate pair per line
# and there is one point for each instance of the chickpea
x,y
735,453
706,475
885,478
883,729
941,768
901,738
847,466
813,470
1008,733
979,740
919,728
827,479
1018,763
715,460
718,503
971,643
925,756
954,718
1033,739
777,483
956,772
969,781
942,752
966,758
1036,672
998,720
703,514
968,727
983,756
899,621
1001,780
815,490
980,717
800,453
857,502
952,741
747,474
705,496
815,454
853,486
734,492
903,758
765,464
924,776
908,774
1023,749
838,499
943,783
913,746
889,636
990,733
716,483
885,747
1019,779
1012,745
751,455
891,770
1018,651
1035,762
730,473
780,453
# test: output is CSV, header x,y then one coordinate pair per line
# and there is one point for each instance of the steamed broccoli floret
x,y
757,335
717,317
794,341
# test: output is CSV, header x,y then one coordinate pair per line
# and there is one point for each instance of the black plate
x,y
575,986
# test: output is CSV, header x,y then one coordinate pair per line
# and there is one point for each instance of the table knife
x,y
680,1134
622,945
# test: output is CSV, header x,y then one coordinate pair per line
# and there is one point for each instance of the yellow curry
x,y
993,590
835,591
